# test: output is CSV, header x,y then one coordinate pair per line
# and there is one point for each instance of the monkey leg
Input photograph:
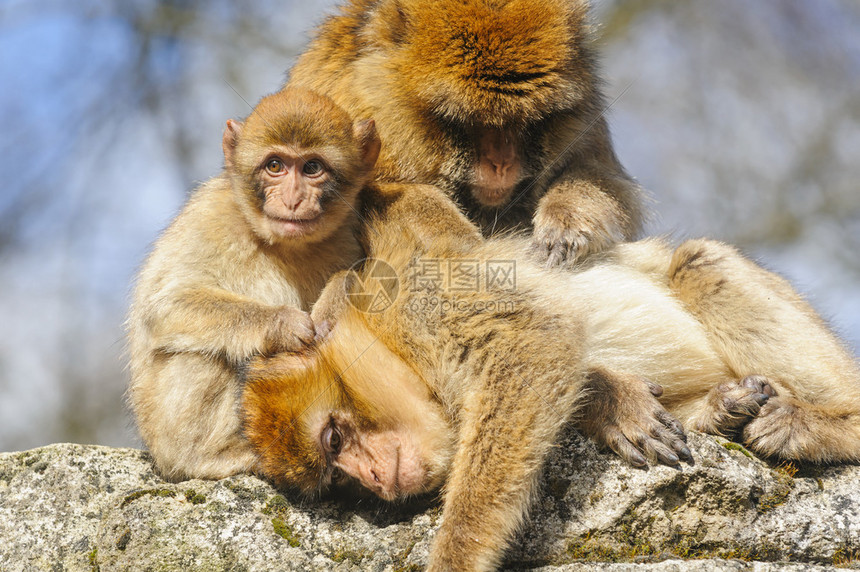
x,y
187,414
759,325
729,406
622,412
790,429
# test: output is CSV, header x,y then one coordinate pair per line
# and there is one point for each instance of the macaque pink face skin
x,y
292,186
498,168
391,463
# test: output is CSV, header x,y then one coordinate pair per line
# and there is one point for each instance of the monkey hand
x,y
331,303
623,413
291,330
556,244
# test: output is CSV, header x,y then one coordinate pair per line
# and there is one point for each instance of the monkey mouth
x,y
393,491
492,196
294,227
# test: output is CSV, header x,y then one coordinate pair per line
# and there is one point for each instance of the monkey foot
x,y
632,422
731,405
772,431
789,429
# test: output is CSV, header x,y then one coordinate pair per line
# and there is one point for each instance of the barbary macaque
x,y
236,272
499,103
473,392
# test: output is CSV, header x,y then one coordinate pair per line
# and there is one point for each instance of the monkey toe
x,y
658,452
771,433
663,441
623,447
655,388
673,425
763,390
738,402
673,434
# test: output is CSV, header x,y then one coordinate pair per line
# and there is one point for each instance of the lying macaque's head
x,y
350,411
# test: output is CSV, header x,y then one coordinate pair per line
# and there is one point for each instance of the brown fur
x,y
446,79
507,378
222,285
758,324
598,344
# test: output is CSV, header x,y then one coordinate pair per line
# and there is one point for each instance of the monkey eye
x,y
337,476
332,440
313,168
275,166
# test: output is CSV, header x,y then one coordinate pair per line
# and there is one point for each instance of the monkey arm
x,y
213,321
423,209
507,428
332,302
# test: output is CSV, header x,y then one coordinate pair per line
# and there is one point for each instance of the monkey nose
x,y
500,168
292,202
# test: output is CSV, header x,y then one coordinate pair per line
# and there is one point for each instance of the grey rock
x,y
75,507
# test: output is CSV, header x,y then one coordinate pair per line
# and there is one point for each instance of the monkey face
x,y
486,75
352,410
389,462
297,164
294,187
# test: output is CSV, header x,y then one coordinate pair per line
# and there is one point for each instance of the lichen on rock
x,y
81,507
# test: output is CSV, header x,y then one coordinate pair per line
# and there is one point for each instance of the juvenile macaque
x,y
474,394
235,273
499,103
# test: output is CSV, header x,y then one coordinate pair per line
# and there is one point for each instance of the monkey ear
x,y
230,140
365,132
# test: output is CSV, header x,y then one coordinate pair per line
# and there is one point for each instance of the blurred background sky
x,y
742,119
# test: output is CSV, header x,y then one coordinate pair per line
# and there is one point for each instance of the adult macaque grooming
x,y
404,399
496,102
235,273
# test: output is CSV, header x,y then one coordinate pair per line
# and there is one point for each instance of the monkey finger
x,y
539,249
655,388
557,256
669,436
323,329
683,452
304,337
657,451
668,420
304,328
622,446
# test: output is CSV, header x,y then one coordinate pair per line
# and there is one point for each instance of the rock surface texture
x,y
74,507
